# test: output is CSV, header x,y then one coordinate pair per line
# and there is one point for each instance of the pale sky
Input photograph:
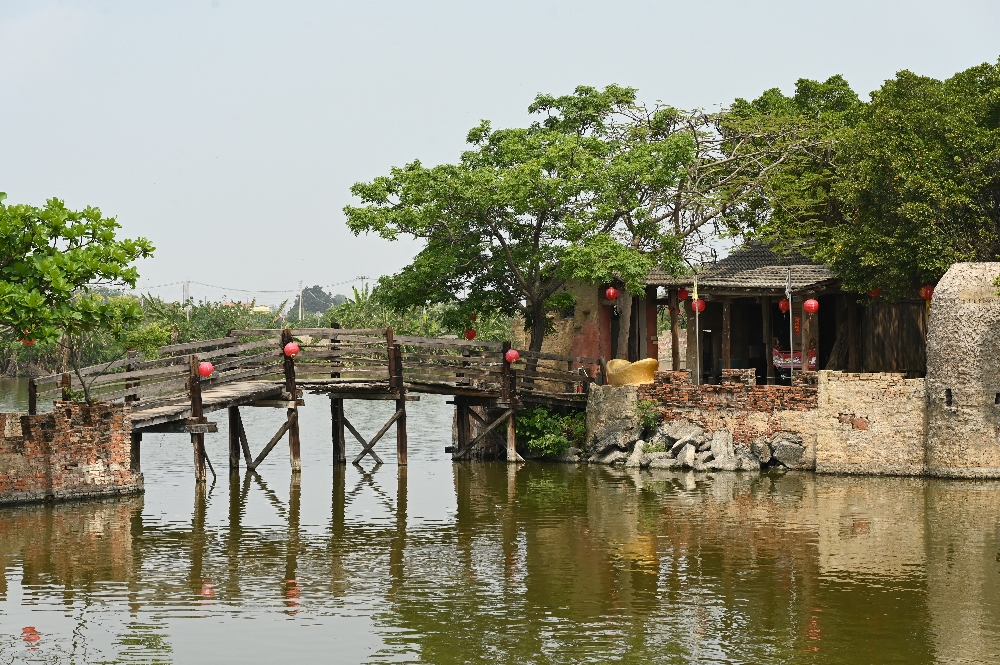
x,y
229,133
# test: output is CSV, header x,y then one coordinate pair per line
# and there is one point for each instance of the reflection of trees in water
x,y
559,563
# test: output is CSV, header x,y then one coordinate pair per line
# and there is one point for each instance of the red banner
x,y
785,360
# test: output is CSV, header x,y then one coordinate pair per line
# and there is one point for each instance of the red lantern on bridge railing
x,y
811,305
698,305
682,294
927,292
784,306
292,349
206,368
512,356
876,292
611,293
470,334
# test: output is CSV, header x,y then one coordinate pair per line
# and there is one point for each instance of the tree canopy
x,y
526,209
896,189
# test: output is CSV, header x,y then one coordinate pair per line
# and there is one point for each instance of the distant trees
x,y
890,192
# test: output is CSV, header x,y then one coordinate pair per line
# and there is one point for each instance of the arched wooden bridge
x,y
167,393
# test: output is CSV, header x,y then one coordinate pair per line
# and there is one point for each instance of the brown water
x,y
485,563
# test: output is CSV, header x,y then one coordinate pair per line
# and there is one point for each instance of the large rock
x,y
787,448
635,459
722,445
679,429
662,461
615,456
686,457
571,456
761,449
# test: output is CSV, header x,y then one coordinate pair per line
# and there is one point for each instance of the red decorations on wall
x,y
698,305
206,368
797,325
783,305
682,294
927,292
512,356
874,293
292,349
470,334
811,306
611,293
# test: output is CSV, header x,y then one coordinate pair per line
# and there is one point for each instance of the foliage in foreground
x,y
548,433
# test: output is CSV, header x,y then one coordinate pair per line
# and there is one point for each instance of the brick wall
x,y
871,424
738,391
73,452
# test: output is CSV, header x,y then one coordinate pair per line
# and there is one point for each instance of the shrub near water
x,y
550,434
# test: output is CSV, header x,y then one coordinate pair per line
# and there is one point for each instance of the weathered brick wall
x,y
737,392
75,451
871,424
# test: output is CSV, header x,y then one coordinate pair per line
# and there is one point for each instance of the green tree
x,y
898,189
526,209
49,259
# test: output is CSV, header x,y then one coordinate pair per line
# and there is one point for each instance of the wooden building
x,y
743,327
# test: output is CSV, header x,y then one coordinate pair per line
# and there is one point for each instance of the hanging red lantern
x,y
811,306
927,292
27,342
470,334
512,356
784,306
292,349
698,305
874,293
206,368
611,293
682,294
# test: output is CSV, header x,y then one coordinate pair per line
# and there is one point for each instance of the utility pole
x,y
300,302
187,297
791,326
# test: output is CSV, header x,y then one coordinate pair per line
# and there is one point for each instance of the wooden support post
x,y
66,383
294,452
765,312
807,320
727,321
512,455
136,443
32,397
400,407
337,422
234,439
853,350
461,426
197,440
675,334
132,356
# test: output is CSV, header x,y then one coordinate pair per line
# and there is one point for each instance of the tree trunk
x,y
624,323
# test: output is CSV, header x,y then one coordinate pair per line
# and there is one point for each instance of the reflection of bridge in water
x,y
258,368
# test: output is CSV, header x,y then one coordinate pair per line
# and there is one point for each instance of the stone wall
x,y
870,424
73,452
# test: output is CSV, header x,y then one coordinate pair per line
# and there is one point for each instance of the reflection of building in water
x,y
71,544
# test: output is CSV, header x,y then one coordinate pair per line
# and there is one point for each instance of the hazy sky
x,y
229,132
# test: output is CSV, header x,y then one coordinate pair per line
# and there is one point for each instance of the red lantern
x,y
27,342
292,349
811,306
783,305
698,305
874,293
927,292
512,356
682,294
473,318
611,293
470,334
206,368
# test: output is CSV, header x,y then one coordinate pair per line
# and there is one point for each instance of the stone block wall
x,y
870,424
73,452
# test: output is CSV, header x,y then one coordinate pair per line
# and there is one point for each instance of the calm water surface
x,y
481,563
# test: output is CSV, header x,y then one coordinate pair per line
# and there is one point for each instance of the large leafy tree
x,y
900,188
572,196
50,260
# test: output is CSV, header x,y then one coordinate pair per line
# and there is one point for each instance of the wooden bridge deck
x,y
255,368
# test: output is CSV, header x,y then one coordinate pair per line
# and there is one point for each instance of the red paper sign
x,y
781,359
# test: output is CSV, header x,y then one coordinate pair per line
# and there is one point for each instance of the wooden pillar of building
x,y
294,446
853,350
652,341
234,439
396,385
807,324
461,426
135,447
765,311
675,335
197,439
727,307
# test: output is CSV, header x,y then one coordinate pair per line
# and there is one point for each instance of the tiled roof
x,y
752,266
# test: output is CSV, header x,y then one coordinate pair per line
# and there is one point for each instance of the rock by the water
x,y
677,447
787,448
747,463
661,461
680,429
613,457
635,459
703,456
762,449
686,456
572,455
704,445
722,445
